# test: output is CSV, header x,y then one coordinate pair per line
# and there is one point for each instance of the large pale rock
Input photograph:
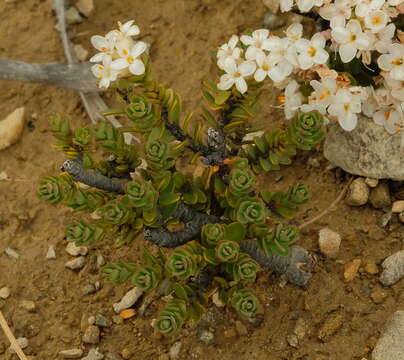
x,y
393,269
11,128
369,150
391,345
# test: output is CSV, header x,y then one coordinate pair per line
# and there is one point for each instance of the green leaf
x,y
168,198
235,231
180,291
206,114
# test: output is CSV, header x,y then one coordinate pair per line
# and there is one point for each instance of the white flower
x,y
227,50
393,61
105,44
336,12
256,43
128,58
128,29
105,72
269,65
322,96
293,99
307,5
391,118
235,74
376,20
394,2
364,7
345,107
384,38
311,52
294,32
395,87
350,39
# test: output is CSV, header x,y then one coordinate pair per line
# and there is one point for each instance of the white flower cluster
x,y
119,54
361,29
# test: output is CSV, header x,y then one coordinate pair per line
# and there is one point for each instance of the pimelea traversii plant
x,y
217,219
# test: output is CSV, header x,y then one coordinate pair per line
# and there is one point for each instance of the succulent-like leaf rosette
x,y
245,302
157,153
185,261
306,130
251,210
115,212
244,269
82,137
141,194
172,317
227,251
298,195
54,189
81,233
144,114
241,182
278,240
147,277
212,234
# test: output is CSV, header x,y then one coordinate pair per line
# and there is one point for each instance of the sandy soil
x,y
340,319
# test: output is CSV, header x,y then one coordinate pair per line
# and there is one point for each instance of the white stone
x,y
74,250
93,354
76,264
81,52
3,176
4,292
371,182
11,128
86,7
358,193
329,242
175,350
128,300
71,353
22,341
72,16
398,206
393,269
51,254
11,253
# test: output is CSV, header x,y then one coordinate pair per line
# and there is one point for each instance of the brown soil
x,y
341,319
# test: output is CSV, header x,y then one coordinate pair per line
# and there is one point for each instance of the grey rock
x,y
22,341
51,254
93,354
213,316
358,193
89,289
391,345
128,300
393,269
206,336
384,219
11,253
102,321
76,264
398,206
71,353
4,292
300,329
380,196
91,335
368,151
174,351
292,340
74,250
72,16
329,242
28,305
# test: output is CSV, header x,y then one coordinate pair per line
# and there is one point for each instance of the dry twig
x,y
11,337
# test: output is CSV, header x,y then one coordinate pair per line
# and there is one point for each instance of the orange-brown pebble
x,y
127,313
351,269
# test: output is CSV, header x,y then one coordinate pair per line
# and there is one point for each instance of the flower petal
x,y
246,40
247,68
119,64
138,49
99,42
97,57
347,52
241,85
260,75
230,66
349,122
137,68
226,82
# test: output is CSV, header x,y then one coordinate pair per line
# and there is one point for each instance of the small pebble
x,y
128,300
100,261
76,264
351,269
28,305
292,340
371,268
273,21
86,7
241,328
113,356
72,16
300,329
11,128
11,253
230,333
117,319
398,206
329,242
74,250
3,176
89,289
51,254
401,217
126,354
383,220
5,292
393,269
313,162
81,52
371,182
331,325
102,321
92,335
206,336
71,354
97,285
380,196
91,320
22,341
358,193
93,354
174,351
378,295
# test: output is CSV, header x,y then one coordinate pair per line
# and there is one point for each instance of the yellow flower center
x,y
376,20
346,107
282,99
324,94
353,37
104,49
266,67
387,115
312,51
398,61
130,59
125,52
237,74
